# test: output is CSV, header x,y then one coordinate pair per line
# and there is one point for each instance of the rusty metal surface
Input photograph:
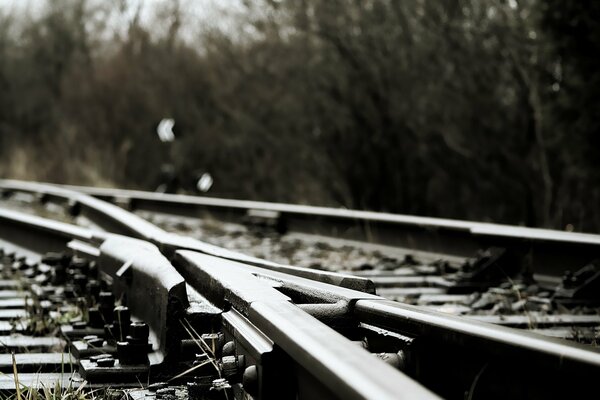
x,y
281,335
348,371
477,336
117,220
151,284
419,232
132,265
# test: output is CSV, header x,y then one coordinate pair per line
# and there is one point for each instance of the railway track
x,y
524,289
206,321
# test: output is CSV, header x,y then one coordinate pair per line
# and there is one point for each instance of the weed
x,y
40,321
41,391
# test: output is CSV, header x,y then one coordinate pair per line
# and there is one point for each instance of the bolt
x,y
122,315
69,291
110,334
80,264
106,362
229,348
55,259
99,357
139,332
187,348
221,382
132,353
165,393
200,359
250,381
80,281
198,389
106,287
95,318
59,275
107,299
95,343
231,366
48,290
92,269
220,388
215,341
135,349
107,305
121,322
93,289
79,325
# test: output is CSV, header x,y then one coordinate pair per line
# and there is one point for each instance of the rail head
x,y
152,286
117,220
253,296
550,252
155,291
470,227
346,370
477,336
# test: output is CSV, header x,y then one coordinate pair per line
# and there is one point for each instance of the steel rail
x,y
115,219
449,330
129,263
345,369
170,243
476,335
439,339
449,336
549,251
333,362
470,336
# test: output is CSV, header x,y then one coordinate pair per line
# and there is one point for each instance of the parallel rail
x,y
550,252
116,220
371,378
296,328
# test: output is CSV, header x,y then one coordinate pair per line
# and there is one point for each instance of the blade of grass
x,y
195,367
198,340
16,376
47,393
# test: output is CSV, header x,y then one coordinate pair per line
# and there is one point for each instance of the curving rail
x,y
278,331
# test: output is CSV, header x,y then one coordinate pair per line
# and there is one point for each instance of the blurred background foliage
x,y
474,109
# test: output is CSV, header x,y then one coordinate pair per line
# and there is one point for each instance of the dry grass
x,y
203,347
55,392
28,162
